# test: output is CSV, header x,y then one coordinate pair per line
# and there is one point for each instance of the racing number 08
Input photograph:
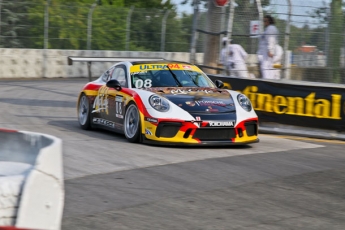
x,y
147,83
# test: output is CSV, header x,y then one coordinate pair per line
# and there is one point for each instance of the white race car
x,y
166,102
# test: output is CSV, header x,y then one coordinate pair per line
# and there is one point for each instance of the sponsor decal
x,y
198,118
150,119
186,67
101,121
158,66
119,116
186,91
148,132
221,123
138,72
190,103
207,103
210,103
118,98
308,106
101,101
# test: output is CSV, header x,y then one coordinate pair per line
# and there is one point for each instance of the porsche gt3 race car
x,y
166,102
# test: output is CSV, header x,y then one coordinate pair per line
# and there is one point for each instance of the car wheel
x,y
84,112
132,124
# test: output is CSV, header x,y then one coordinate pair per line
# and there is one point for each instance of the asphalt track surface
x,y
282,182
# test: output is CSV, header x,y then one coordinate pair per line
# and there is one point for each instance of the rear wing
x,y
89,60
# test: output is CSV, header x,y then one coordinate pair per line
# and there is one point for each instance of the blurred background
x,y
312,31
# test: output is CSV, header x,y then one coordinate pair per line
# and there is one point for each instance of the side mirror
x,y
113,83
219,84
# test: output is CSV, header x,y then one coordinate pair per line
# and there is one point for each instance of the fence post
x,y
46,34
286,56
128,29
89,24
230,24
164,21
0,20
261,16
261,30
193,37
230,19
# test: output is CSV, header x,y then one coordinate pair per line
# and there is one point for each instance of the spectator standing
x,y
237,59
267,46
224,58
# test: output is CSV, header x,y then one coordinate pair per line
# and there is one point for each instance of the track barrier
x,y
291,107
31,180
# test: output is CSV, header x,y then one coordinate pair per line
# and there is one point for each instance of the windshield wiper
x,y
191,77
175,78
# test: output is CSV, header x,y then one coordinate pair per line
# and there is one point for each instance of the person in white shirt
x,y
267,45
238,55
224,58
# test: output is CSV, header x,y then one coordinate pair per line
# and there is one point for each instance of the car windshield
x,y
171,75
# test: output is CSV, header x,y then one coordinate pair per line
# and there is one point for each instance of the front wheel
x,y
132,124
84,112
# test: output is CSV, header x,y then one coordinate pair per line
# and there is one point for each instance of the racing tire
x,y
84,112
132,124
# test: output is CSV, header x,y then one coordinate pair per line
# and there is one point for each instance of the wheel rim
x,y
131,121
83,110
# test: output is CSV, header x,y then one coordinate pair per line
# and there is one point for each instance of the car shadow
x,y
73,125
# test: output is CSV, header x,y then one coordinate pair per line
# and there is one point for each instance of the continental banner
x,y
313,106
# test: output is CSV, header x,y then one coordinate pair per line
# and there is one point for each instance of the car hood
x,y
198,100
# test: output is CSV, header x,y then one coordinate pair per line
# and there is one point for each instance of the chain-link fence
x,y
84,26
313,31
315,36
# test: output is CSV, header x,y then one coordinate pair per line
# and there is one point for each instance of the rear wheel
x,y
84,112
132,123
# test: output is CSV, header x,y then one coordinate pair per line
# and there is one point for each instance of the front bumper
x,y
190,133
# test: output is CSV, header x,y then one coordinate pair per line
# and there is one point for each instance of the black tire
x,y
132,124
84,112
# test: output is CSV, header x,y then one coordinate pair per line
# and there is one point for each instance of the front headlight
x,y
159,103
244,102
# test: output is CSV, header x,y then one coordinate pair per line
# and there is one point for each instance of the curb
x,y
317,133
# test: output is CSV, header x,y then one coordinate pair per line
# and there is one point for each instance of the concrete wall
x,y
31,63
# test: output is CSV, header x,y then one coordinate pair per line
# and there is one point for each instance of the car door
x,y
116,99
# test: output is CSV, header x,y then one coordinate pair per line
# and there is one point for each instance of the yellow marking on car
x,y
161,66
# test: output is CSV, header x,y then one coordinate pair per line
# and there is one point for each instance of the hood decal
x,y
198,99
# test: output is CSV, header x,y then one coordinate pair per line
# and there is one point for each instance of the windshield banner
x,y
163,66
